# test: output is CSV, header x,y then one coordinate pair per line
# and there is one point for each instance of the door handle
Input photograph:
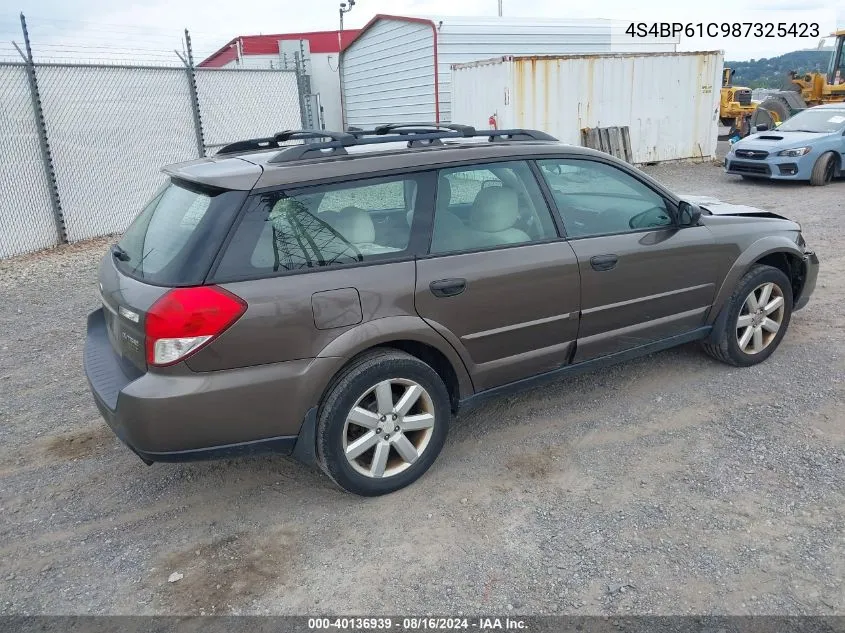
x,y
603,262
447,287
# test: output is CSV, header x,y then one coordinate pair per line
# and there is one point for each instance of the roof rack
x,y
249,145
335,143
278,140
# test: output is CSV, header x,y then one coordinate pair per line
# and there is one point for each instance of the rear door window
x,y
488,206
315,227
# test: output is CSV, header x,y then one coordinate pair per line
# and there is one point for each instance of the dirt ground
x,y
668,485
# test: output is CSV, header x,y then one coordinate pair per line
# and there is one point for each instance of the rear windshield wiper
x,y
120,254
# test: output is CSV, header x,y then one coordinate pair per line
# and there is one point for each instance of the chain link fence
x,y
109,130
225,94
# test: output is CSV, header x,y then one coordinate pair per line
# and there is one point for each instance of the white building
x,y
321,52
398,68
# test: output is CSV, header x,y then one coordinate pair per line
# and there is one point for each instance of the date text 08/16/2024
x,y
417,624
724,29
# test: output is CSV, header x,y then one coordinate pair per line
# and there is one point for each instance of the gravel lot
x,y
671,484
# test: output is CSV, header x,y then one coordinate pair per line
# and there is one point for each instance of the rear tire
x,y
764,320
823,170
358,445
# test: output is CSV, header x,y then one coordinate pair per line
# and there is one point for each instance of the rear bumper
x,y
811,273
197,416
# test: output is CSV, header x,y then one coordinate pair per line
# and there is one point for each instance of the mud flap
x,y
305,450
719,325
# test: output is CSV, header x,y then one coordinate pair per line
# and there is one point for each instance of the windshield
x,y
173,240
815,120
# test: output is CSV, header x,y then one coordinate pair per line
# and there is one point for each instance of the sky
x,y
151,29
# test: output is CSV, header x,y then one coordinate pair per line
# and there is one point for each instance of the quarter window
x,y
598,199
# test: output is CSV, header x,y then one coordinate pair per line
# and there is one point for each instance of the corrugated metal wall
x,y
388,75
483,91
669,101
462,40
378,67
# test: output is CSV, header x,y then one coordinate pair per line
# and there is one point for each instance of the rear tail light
x,y
186,319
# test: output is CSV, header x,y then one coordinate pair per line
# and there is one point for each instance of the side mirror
x,y
759,128
688,214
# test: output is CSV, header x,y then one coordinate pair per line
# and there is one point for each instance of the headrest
x,y
494,209
444,193
355,225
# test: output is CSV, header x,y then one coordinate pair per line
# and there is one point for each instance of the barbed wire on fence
x,y
58,40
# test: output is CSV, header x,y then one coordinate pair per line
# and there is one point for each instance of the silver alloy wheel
x,y
388,428
760,318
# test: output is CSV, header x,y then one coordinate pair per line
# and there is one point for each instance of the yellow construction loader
x,y
804,91
735,105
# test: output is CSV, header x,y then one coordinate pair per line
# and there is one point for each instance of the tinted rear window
x,y
175,237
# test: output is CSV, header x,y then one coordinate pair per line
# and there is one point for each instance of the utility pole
x,y
500,8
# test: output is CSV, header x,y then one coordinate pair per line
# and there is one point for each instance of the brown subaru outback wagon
x,y
339,296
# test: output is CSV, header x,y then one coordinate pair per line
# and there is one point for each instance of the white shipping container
x,y
670,101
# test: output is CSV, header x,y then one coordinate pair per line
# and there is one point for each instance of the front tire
x,y
823,170
758,316
382,423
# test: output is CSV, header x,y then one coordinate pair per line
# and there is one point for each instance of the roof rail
x,y
249,145
278,140
289,135
418,128
335,143
517,135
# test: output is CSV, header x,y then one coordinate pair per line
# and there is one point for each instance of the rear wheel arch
x,y
435,359
424,352
408,334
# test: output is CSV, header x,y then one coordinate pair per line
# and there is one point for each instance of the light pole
x,y
500,8
344,9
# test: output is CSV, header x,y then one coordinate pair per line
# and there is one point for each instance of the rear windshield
x,y
174,239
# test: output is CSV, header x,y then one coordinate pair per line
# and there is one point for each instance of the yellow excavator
x,y
804,91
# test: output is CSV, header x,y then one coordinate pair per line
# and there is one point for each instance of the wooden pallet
x,y
615,141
